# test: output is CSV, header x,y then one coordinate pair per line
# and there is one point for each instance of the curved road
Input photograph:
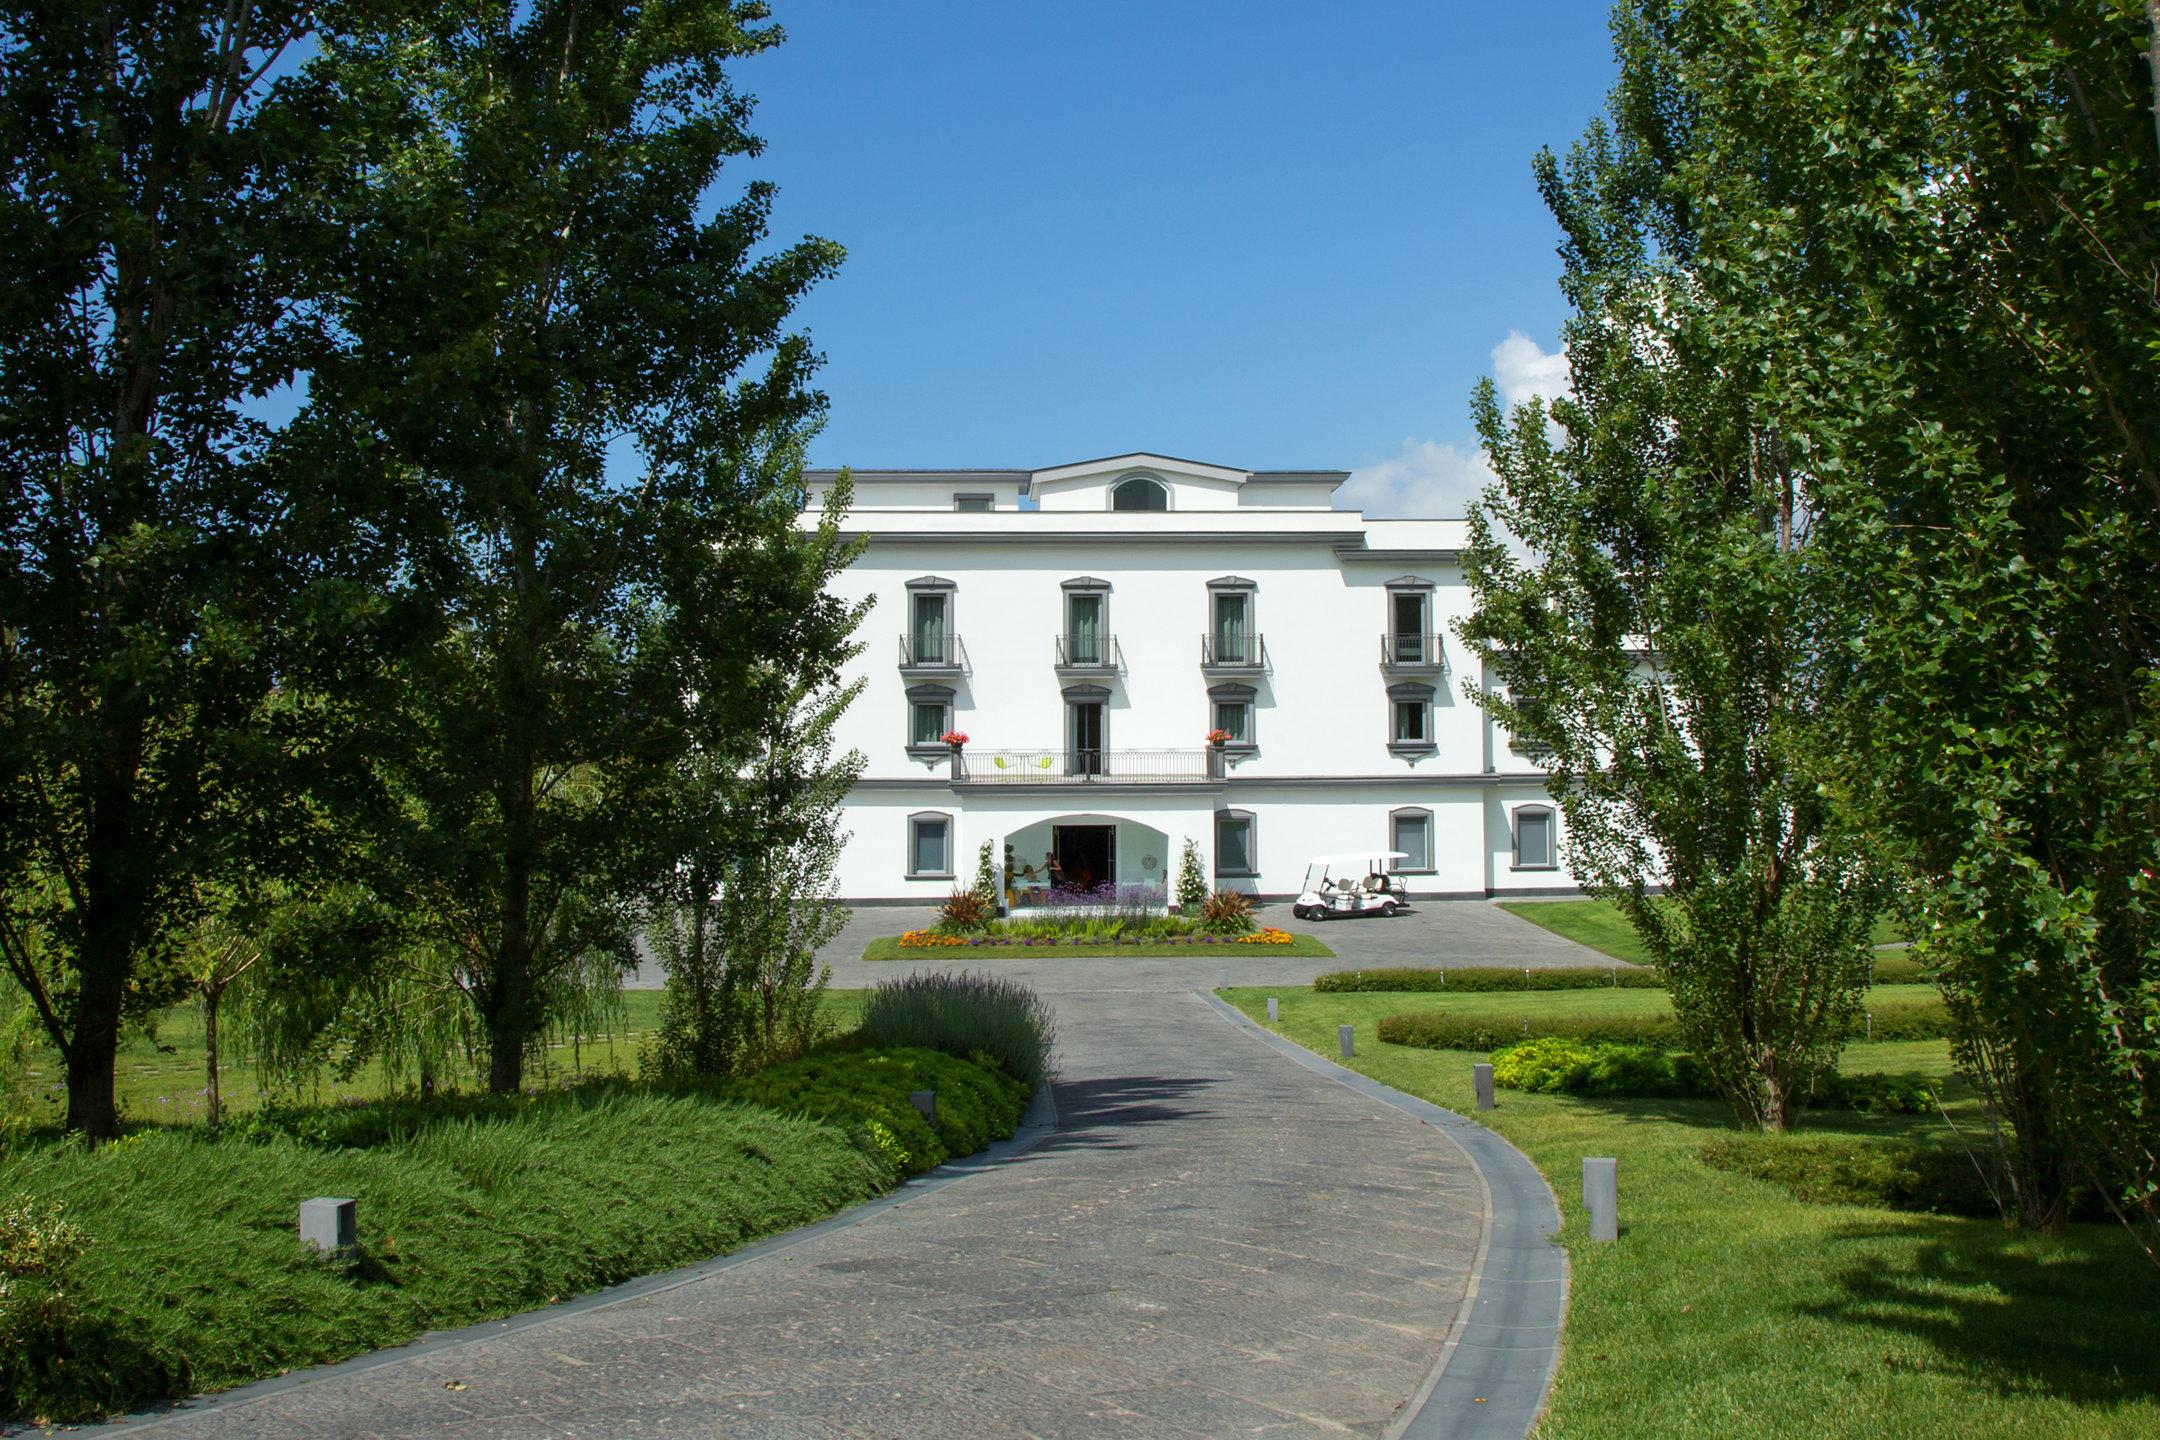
x,y
1214,1241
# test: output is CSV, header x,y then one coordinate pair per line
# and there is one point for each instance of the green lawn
x,y
1600,925
1730,1309
887,947
160,1077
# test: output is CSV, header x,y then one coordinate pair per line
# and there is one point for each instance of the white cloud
x,y
1437,479
1427,478
1522,369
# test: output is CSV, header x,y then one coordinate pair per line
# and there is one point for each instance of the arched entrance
x,y
1063,858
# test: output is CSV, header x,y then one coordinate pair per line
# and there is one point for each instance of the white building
x,y
1086,626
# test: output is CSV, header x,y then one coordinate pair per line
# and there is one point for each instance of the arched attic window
x,y
1140,493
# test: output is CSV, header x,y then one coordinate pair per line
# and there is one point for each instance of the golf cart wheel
x,y
1321,912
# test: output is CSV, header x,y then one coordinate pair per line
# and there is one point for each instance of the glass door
x,y
1230,630
928,628
1087,738
1083,631
1409,628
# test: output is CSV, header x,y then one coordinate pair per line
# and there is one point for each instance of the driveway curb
x,y
1039,1121
1496,1369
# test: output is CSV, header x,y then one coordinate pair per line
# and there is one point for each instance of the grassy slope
x,y
1599,925
887,947
1728,1308
160,1077
193,1259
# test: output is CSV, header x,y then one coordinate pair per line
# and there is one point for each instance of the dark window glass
x,y
1233,845
1413,836
1139,495
1410,722
973,504
1533,837
930,847
1236,717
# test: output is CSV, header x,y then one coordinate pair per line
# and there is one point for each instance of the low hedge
x,y
1917,1017
865,1091
1555,1066
1877,1174
1471,979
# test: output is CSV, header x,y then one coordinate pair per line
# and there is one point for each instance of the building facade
x,y
1087,626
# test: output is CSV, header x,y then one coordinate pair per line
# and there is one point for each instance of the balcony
x,y
1412,654
1233,654
1066,766
926,655
1079,656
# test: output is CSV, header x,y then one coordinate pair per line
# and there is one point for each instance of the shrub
x,y
38,1248
965,912
1883,1175
1915,1017
865,1091
1901,970
1226,912
1556,1066
986,877
963,1014
1878,1094
1477,978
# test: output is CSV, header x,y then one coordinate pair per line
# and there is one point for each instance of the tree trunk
x,y
91,1108
211,994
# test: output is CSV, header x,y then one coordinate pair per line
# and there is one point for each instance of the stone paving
x,y
1214,1241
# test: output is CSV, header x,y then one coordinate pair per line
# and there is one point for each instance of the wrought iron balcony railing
x,y
932,652
1098,652
1068,766
1412,651
1233,653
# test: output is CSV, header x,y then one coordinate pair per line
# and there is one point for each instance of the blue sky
x,y
1261,234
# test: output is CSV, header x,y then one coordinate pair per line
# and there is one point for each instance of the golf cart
x,y
1356,884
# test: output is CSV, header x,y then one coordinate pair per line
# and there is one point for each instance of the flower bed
x,y
933,940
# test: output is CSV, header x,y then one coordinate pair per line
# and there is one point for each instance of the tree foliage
x,y
1931,229
150,207
1648,590
565,374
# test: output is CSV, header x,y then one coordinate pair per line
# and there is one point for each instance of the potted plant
x,y
954,738
1218,738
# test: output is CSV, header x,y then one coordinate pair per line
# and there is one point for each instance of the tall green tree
x,y
1647,591
1933,227
561,364
148,166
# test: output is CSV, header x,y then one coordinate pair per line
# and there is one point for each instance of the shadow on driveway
x,y
1093,1113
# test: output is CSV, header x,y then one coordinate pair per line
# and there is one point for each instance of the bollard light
x,y
1225,983
1342,1036
1274,1010
330,1226
1601,1196
926,1102
1481,1081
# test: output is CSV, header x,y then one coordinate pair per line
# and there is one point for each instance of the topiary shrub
x,y
1226,912
1446,1030
1191,882
1901,970
1478,978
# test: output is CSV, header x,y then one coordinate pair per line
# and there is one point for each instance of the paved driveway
x,y
1216,1241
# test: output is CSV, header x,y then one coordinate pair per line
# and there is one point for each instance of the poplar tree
x,y
561,366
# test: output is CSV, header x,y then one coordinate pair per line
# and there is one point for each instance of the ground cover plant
x,y
472,1205
1730,1306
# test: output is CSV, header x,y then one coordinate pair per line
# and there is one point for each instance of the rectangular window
x,y
1084,630
927,629
929,723
930,846
1409,634
1234,716
1233,845
1230,629
1410,726
974,504
1534,839
1413,836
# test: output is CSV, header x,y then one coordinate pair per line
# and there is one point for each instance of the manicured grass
x,y
887,947
1600,925
469,1208
160,1076
1730,1308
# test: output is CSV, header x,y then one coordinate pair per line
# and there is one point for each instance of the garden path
x,y
1214,1241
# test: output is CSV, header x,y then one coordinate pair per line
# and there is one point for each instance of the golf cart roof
x,y
1356,857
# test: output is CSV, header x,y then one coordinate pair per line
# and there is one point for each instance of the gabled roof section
x,y
1143,460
